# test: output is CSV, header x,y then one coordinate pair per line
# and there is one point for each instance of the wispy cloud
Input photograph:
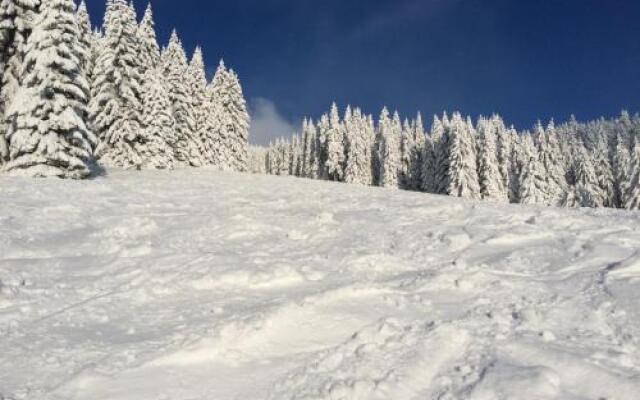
x,y
267,123
402,13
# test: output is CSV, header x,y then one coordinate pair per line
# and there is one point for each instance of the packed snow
x,y
195,284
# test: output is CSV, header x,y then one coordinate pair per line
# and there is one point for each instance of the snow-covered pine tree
x,y
324,127
257,160
237,110
16,23
388,145
490,179
85,38
311,169
473,133
103,105
306,149
335,147
358,170
272,157
376,154
226,91
368,132
47,134
442,147
296,155
174,58
532,185
202,109
603,171
621,170
624,129
517,159
417,153
285,158
347,122
269,159
158,122
553,163
86,42
429,167
407,147
291,161
586,186
149,48
503,144
568,132
571,198
632,198
462,173
540,141
117,108
220,139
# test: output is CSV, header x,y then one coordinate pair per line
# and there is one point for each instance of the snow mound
x,y
383,361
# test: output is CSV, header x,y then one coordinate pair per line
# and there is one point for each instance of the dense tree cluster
x,y
71,96
594,164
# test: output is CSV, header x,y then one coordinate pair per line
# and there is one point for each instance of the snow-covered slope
x,y
200,285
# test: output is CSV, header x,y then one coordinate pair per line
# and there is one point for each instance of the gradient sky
x,y
525,59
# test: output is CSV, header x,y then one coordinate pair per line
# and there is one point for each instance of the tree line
x,y
72,97
593,164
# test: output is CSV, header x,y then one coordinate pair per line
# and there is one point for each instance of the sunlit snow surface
x,y
194,285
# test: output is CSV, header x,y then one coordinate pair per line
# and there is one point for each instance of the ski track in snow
x,y
194,284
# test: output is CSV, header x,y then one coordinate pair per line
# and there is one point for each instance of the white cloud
x,y
267,123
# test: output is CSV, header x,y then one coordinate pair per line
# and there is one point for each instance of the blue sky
x,y
525,59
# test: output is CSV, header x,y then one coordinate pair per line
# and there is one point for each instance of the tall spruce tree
x,y
85,38
295,156
307,148
504,144
149,48
604,172
417,153
16,23
187,147
388,148
358,170
226,91
407,147
622,171
312,169
490,179
586,186
532,185
540,141
159,124
462,173
200,105
238,114
632,198
442,148
117,108
429,166
552,161
322,141
335,147
47,134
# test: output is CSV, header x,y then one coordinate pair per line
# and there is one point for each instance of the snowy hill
x,y
200,285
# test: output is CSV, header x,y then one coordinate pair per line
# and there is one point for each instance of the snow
x,y
195,284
